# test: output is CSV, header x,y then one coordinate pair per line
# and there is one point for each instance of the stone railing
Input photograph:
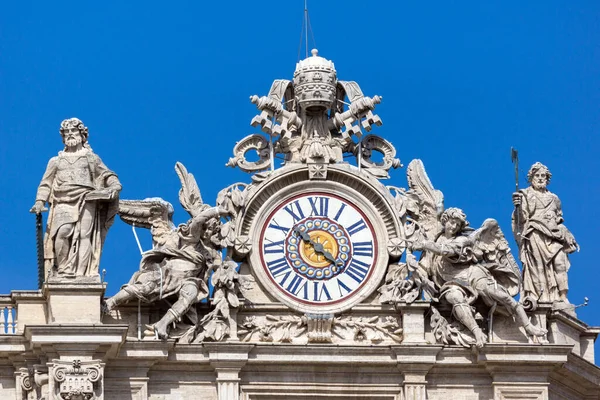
x,y
8,316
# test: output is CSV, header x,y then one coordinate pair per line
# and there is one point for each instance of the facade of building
x,y
312,281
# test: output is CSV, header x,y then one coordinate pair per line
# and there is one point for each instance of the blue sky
x,y
461,82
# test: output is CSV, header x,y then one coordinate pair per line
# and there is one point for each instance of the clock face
x,y
318,249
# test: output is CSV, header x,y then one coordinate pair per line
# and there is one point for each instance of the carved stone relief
x,y
320,329
77,380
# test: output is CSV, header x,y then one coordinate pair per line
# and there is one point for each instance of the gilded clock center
x,y
318,248
317,259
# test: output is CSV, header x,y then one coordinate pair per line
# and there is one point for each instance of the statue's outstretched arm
x,y
198,221
437,249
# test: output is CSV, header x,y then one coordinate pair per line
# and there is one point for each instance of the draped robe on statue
x,y
544,243
74,185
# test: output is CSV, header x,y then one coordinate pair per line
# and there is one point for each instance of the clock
x,y
318,248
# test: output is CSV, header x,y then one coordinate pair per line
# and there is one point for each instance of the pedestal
x,y
74,302
413,321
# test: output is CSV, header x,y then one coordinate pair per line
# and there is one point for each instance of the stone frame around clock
x,y
360,188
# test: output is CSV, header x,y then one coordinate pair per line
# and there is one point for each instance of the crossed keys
x,y
272,110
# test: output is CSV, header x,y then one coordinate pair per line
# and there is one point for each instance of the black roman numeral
x,y
278,267
273,247
290,210
362,249
319,292
319,206
275,225
297,285
357,270
357,227
337,215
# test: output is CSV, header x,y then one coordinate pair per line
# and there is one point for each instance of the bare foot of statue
x,y
480,337
533,330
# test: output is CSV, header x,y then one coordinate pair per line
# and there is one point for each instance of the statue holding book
x,y
83,195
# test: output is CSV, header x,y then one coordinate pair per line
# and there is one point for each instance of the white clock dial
x,y
318,248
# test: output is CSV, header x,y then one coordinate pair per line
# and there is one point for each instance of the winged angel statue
x,y
182,259
457,266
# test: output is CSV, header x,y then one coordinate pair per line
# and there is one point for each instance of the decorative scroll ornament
x,y
27,382
250,143
374,143
33,382
77,381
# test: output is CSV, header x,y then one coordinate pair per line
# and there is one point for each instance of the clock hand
x,y
303,235
318,247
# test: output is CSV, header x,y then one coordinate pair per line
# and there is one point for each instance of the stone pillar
x,y
228,359
522,371
228,383
31,308
413,321
78,352
31,379
74,302
414,363
513,382
415,386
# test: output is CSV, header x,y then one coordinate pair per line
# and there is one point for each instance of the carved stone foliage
x,y
449,332
320,328
368,329
398,286
77,380
217,324
272,328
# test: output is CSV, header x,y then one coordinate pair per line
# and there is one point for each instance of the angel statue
x,y
181,259
461,264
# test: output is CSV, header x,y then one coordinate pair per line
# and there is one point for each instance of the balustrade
x,y
8,316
